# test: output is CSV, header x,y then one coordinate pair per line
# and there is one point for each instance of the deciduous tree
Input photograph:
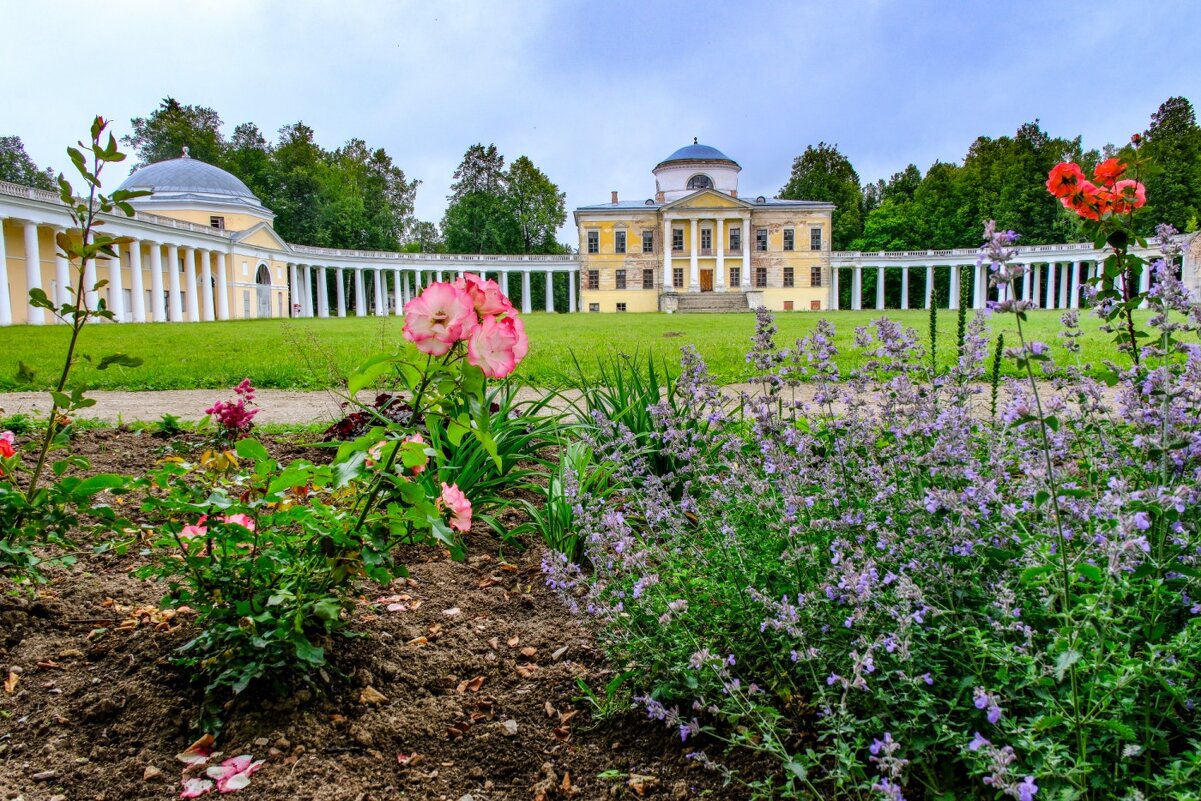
x,y
824,173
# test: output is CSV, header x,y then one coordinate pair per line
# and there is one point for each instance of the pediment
x,y
262,235
706,199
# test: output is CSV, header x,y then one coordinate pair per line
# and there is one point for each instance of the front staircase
x,y
711,302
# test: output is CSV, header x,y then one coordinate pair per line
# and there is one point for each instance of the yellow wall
x,y
233,221
636,300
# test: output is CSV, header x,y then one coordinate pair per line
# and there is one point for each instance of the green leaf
x,y
308,652
98,483
252,449
25,373
1090,572
1065,661
1119,728
119,359
366,375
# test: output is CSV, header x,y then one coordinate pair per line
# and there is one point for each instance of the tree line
x,y
1002,179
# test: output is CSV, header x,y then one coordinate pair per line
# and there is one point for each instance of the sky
x,y
597,93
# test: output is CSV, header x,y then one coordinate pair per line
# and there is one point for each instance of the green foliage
x,y
552,518
17,167
823,173
1173,147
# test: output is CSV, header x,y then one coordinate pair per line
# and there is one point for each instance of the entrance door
x,y
263,291
706,280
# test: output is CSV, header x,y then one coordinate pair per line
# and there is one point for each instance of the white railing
x,y
569,261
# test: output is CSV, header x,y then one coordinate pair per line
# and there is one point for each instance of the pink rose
x,y
522,346
245,521
485,294
438,318
460,508
491,347
197,529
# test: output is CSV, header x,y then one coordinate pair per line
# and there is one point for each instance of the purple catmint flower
x,y
1027,789
977,742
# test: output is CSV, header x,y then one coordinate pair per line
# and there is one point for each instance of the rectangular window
x,y
815,305
648,241
815,239
621,279
621,307
594,241
245,303
761,239
677,277
735,276
788,305
594,279
735,239
593,307
760,277
217,222
677,239
789,239
706,239
788,277
648,279
619,241
815,276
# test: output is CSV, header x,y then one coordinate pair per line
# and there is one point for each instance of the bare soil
x,y
100,710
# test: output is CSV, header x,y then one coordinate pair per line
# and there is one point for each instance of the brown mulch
x,y
99,711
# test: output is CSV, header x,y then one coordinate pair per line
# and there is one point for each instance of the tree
x,y
18,168
481,222
425,237
482,170
823,173
172,127
248,155
537,205
902,185
1173,146
296,186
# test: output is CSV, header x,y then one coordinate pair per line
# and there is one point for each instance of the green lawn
x,y
312,354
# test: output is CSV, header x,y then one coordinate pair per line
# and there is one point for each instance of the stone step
x,y
711,302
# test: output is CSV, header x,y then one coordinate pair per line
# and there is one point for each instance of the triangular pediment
x,y
262,235
706,199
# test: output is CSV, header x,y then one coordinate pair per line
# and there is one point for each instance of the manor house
x,y
698,245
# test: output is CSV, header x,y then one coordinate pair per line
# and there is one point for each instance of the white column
x,y
1050,304
137,291
6,305
377,281
571,279
667,282
1074,299
322,292
980,287
525,292
694,249
308,290
905,287
745,278
954,289
833,288
398,292
550,291
880,287
929,286
1144,284
1063,287
206,284
116,287
719,241
341,291
224,264
294,290
360,294
189,271
1036,282
504,283
1026,282
440,277
158,308
62,271
33,271
176,302
856,287
417,282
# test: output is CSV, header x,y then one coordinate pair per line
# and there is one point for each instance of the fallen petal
x,y
198,752
194,788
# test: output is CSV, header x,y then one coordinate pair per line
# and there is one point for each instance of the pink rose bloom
x,y
375,453
460,508
485,295
1128,195
522,346
418,469
245,521
197,529
491,347
438,318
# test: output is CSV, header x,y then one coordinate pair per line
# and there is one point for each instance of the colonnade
x,y
717,225
394,286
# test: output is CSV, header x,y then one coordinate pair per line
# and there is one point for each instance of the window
x,y
593,307
619,241
735,276
245,303
621,307
700,182
217,222
594,279
761,239
788,305
735,239
815,305
677,277
677,239
706,239
594,241
760,277
648,279
648,241
815,276
789,239
621,279
789,279
815,239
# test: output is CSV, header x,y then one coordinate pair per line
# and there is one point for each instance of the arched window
x,y
700,182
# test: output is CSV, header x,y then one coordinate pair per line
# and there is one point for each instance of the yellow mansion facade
x,y
698,246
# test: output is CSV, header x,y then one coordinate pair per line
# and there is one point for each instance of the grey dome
x,y
186,178
697,152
